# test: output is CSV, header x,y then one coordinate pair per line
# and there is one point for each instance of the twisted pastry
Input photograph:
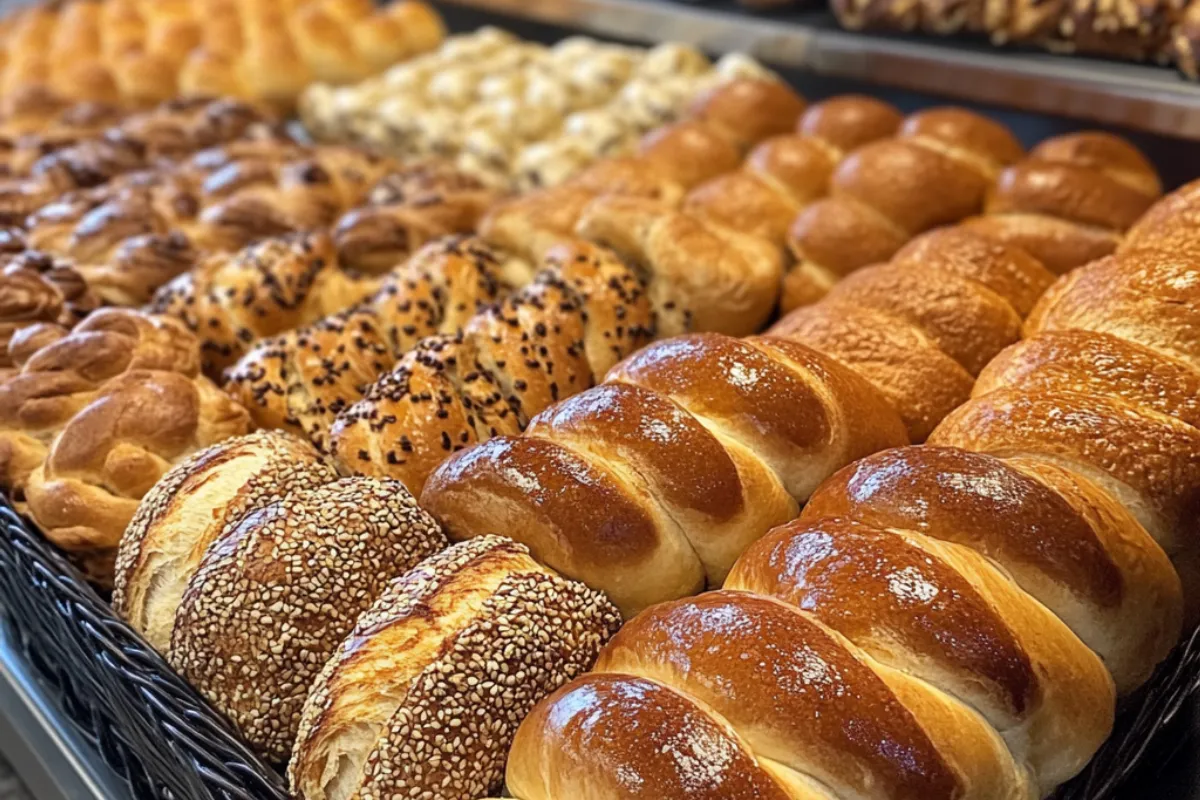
x,y
977,603
138,142
935,171
37,288
921,327
95,417
231,301
721,126
584,312
23,143
1070,202
300,381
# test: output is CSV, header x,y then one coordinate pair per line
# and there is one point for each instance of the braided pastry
x,y
95,417
140,141
231,301
300,381
37,288
778,415
1071,201
978,603
554,338
935,171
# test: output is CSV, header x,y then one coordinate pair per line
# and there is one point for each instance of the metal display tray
x,y
1133,96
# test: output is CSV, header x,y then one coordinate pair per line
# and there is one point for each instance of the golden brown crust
x,y
746,111
399,709
188,508
280,589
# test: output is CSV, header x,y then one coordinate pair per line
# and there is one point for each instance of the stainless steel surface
x,y
51,758
1142,97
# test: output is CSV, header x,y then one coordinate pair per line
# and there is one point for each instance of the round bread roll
x,y
186,511
423,699
277,592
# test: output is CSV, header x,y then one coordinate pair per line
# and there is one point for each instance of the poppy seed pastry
x,y
278,591
189,507
423,699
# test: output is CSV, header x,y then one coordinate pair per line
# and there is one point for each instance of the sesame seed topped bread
x,y
280,589
423,698
188,509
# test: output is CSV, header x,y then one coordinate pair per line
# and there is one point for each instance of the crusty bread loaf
x,y
979,602
399,710
188,508
1071,200
94,418
935,171
279,590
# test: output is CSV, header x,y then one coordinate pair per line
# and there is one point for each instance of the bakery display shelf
x,y
1142,97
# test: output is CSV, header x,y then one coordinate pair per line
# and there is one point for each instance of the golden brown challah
x,y
94,418
778,414
408,687
40,297
1071,200
935,171
43,170
785,173
978,602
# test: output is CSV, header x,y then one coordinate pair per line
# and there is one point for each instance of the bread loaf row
x,y
978,603
139,52
190,576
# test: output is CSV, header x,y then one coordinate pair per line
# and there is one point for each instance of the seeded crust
x,y
553,339
187,510
424,698
279,590
300,381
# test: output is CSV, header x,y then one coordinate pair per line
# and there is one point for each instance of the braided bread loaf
x,y
40,293
584,312
977,604
230,301
722,125
1071,201
140,141
25,138
777,414
935,171
785,173
301,380
95,417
